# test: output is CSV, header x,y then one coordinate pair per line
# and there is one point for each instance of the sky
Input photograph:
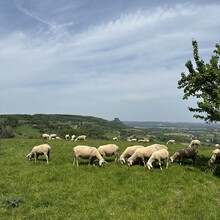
x,y
108,59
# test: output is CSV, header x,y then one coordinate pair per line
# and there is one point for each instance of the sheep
x,y
128,152
109,150
185,153
52,136
73,137
214,157
81,138
58,138
114,138
171,142
143,140
217,145
143,153
40,150
132,140
46,136
67,136
194,143
160,155
87,152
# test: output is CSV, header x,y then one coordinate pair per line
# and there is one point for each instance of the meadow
x,y
59,190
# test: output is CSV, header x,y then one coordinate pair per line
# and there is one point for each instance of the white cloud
x,y
135,59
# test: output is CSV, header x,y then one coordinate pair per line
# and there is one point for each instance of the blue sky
x,y
118,58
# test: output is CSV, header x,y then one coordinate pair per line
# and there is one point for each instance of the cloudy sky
x,y
103,58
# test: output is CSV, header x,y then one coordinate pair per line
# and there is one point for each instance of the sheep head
x,y
102,162
149,166
130,162
29,156
122,161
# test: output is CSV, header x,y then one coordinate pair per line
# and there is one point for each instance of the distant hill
x,y
25,125
154,124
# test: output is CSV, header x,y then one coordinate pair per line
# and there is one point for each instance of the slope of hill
x,y
33,126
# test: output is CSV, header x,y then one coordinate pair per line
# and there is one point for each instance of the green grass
x,y
177,134
26,131
30,190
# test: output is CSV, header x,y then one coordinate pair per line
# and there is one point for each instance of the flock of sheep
x,y
137,153
67,137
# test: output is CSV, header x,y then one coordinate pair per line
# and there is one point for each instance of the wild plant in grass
x,y
10,202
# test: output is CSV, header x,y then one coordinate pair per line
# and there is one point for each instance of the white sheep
x,y
67,136
81,138
194,143
73,137
144,140
46,136
128,152
217,145
114,138
132,140
185,153
58,138
171,142
52,136
87,152
160,155
109,150
214,157
43,149
144,153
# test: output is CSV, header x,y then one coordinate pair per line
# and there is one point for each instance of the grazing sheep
x,y
194,143
171,142
114,138
144,153
144,140
185,153
58,138
132,140
87,152
43,149
214,157
217,145
128,152
73,137
52,136
109,150
67,136
160,155
46,136
81,138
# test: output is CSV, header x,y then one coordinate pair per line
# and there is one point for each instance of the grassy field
x,y
30,190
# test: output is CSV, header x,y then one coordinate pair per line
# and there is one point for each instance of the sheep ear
x,y
106,162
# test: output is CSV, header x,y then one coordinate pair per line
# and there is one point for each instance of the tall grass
x,y
30,190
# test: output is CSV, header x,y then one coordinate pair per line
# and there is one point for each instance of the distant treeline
x,y
10,125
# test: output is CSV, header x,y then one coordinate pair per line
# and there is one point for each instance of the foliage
x,y
203,82
60,190
6,132
32,126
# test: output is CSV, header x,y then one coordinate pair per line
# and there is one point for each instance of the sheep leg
x,y
143,160
76,161
159,162
116,157
47,158
167,162
35,157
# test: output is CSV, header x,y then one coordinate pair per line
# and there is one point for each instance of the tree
x,y
203,82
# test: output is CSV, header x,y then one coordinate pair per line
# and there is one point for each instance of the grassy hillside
x,y
33,126
30,190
